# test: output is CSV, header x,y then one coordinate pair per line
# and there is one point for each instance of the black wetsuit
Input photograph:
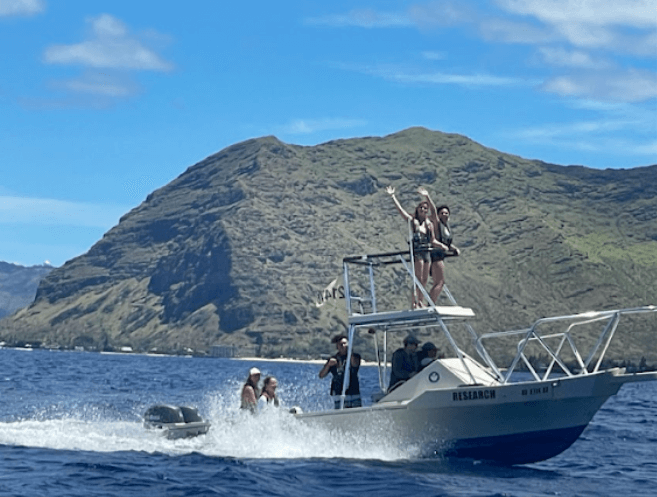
x,y
353,390
444,236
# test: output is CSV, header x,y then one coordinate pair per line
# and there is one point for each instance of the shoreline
x,y
631,366
303,361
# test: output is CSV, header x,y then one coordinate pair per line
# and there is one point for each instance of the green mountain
x,y
235,250
18,285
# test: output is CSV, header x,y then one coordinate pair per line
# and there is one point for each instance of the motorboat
x,y
175,421
467,407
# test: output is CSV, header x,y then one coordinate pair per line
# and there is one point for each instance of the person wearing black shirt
x,y
405,362
336,366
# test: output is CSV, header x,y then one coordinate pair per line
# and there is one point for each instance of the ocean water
x,y
70,425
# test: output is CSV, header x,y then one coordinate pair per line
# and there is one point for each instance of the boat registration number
x,y
536,390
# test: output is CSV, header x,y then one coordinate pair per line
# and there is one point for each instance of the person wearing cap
x,y
405,362
427,354
336,366
250,391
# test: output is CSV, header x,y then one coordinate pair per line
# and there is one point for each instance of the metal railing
x,y
387,320
532,335
364,311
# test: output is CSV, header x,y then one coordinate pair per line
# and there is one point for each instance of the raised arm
x,y
433,213
327,367
391,191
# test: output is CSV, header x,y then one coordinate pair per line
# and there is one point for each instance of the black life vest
x,y
338,377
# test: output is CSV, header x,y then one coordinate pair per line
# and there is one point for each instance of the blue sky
x,y
101,102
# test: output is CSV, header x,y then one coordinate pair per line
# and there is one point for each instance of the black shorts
x,y
437,255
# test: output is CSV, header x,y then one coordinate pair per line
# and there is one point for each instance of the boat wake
x,y
271,434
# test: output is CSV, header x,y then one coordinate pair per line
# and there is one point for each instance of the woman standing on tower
x,y
423,238
442,245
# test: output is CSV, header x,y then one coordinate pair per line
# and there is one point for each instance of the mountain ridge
x,y
18,285
235,249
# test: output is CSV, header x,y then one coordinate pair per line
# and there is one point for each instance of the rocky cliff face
x,y
18,285
235,250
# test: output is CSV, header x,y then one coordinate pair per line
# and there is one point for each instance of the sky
x,y
104,101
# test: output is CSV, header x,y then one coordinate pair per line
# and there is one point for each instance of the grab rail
x,y
531,334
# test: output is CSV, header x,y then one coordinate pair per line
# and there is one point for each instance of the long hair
x,y
266,382
254,385
424,203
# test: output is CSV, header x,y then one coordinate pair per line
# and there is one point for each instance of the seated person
x,y
268,396
250,391
405,362
427,354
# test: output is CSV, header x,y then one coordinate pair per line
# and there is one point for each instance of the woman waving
x,y
423,238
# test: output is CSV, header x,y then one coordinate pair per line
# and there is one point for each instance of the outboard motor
x,y
176,422
158,416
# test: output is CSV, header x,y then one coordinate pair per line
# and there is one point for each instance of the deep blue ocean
x,y
71,425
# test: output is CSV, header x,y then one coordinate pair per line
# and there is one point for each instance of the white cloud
x,y
572,58
570,137
633,85
107,26
611,128
507,31
111,46
636,13
623,26
405,76
551,131
97,88
101,84
619,25
43,211
21,7
592,36
457,79
307,126
565,86
363,18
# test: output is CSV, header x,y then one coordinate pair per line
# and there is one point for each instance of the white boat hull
x,y
510,424
457,406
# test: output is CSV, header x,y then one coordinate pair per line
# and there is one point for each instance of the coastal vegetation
x,y
236,249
